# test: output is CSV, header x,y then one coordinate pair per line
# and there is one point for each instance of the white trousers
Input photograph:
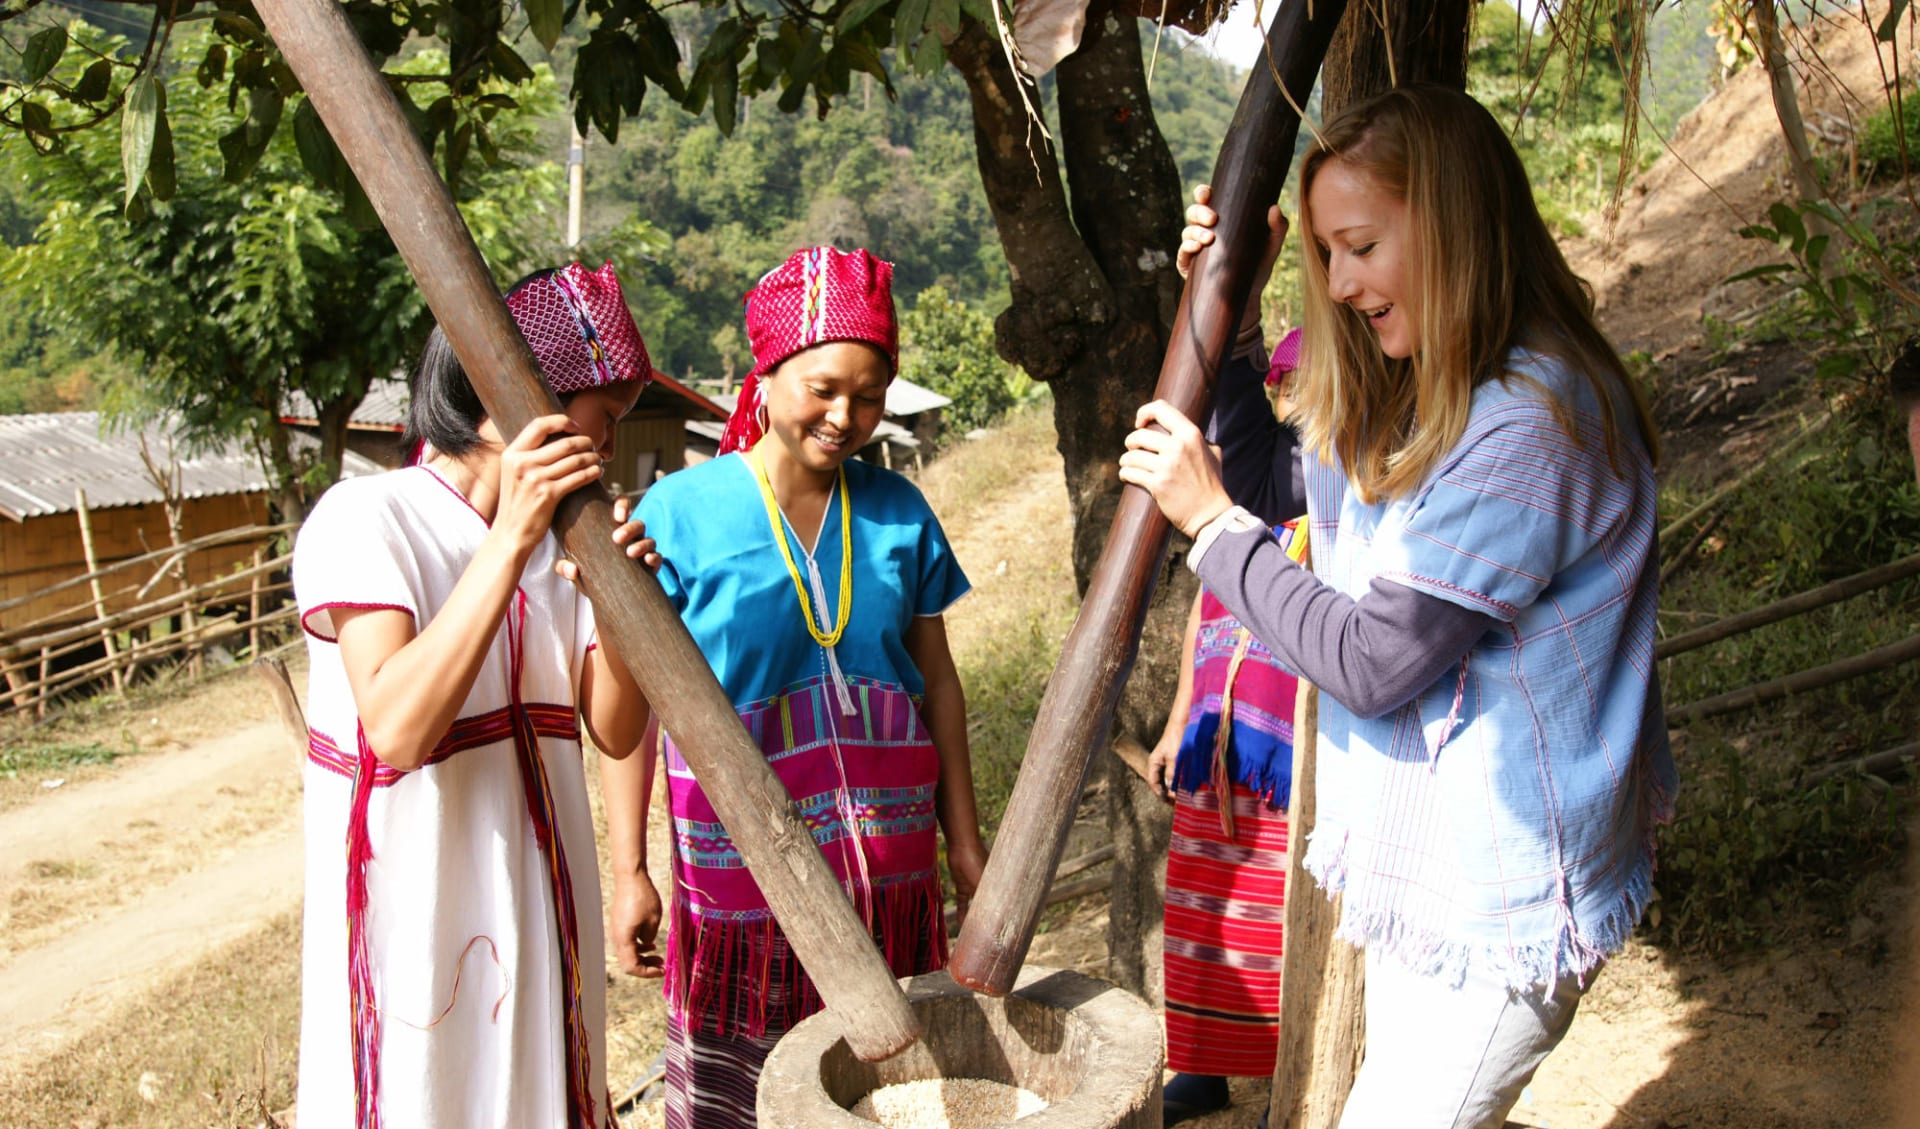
x,y
1441,1057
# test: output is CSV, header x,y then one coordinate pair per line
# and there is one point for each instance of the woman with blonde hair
x,y
1479,614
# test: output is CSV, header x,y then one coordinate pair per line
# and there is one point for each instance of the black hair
x,y
442,407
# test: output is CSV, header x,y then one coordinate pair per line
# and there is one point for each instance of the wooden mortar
x,y
1091,1049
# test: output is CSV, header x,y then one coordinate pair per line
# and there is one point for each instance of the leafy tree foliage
x,y
225,297
948,347
693,217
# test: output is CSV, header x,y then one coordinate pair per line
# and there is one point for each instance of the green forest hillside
x,y
693,217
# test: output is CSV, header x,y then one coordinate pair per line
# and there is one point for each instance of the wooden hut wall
x,y
650,442
43,551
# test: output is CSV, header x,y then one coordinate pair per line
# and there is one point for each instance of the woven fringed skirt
x,y
714,1060
1225,903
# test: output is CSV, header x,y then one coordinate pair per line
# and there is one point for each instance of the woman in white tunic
x,y
454,971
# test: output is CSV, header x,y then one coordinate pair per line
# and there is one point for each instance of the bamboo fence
x,y
135,615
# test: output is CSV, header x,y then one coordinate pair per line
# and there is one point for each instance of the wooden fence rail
x,y
74,648
165,556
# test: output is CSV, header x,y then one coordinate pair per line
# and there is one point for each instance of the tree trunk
x,y
1429,40
1094,287
283,476
332,416
1094,297
1786,103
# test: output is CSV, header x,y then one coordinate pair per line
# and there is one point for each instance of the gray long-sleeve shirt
x,y
1373,654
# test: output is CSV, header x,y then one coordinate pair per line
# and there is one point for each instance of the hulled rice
x,y
947,1103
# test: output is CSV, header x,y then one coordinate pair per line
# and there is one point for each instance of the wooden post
x,y
253,609
1077,709
93,581
1322,978
636,621
40,706
1760,693
1799,604
273,673
576,184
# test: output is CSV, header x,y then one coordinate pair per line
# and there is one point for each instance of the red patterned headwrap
x,y
1286,358
818,295
581,332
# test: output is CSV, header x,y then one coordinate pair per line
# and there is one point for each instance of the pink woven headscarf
x,y
1286,358
820,294
581,332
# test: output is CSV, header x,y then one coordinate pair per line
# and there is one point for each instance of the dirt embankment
x,y
1659,264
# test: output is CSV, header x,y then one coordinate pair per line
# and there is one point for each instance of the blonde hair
x,y
1484,277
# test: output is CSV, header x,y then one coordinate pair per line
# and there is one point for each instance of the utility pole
x,y
576,181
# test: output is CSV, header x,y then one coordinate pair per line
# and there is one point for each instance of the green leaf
x,y
160,176
929,57
138,120
800,67
1837,365
1759,231
1763,273
94,82
726,94
659,52
244,145
359,209
943,18
911,18
981,10
1817,250
237,27
792,96
37,118
855,14
455,155
1891,24
507,63
44,49
489,152
317,150
1789,223
545,18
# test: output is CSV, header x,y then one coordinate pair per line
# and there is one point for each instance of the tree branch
x,y
1058,290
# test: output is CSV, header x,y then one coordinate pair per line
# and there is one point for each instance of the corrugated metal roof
x,y
384,409
905,398
44,457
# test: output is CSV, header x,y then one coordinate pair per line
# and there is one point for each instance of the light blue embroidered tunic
x,y
731,586
1503,819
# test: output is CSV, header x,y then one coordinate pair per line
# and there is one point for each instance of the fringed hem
x,y
1428,953
743,978
1268,775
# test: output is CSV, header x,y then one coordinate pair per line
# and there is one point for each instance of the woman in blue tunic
x,y
814,584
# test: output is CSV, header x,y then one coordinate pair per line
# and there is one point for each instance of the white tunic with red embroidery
x,y
472,984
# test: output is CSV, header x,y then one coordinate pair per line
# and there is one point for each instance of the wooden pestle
x,y
631,610
1078,706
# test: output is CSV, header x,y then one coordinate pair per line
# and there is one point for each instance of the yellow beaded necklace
x,y
774,520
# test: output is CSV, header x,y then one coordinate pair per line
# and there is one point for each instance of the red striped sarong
x,y
1225,901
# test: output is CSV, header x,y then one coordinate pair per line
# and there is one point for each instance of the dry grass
x,y
1003,502
212,1047
86,738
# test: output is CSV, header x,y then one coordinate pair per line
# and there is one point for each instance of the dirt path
x,y
110,885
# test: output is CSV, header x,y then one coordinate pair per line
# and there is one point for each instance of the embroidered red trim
x,y
317,608
453,490
466,733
